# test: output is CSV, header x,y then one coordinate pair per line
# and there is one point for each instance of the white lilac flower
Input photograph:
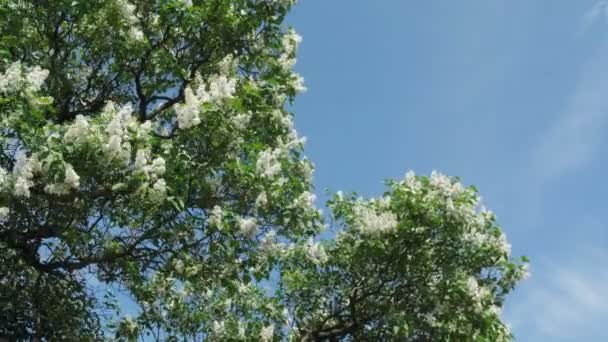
x,y
525,271
114,146
216,217
221,87
57,189
241,120
267,333
141,161
268,164
307,169
262,200
4,212
36,77
188,112
3,178
219,328
241,330
248,227
158,166
291,40
159,190
71,177
136,33
476,291
286,61
411,181
297,83
23,171
445,185
78,130
316,252
22,187
371,222
306,200
127,10
504,245
11,78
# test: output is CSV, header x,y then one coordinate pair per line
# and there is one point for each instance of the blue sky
x,y
509,95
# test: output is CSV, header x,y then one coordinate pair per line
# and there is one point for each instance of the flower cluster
x,y
215,90
17,77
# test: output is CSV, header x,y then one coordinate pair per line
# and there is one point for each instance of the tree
x,y
147,150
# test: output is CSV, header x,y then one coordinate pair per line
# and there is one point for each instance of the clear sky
x,y
509,95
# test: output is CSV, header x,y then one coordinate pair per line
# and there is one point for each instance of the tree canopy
x,y
152,185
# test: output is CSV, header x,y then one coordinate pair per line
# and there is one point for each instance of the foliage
x,y
147,149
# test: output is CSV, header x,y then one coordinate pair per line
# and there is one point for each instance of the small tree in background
x,y
147,151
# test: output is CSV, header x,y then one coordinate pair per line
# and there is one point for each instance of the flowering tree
x,y
147,151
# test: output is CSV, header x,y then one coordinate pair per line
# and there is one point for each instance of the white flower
x,y
141,161
291,40
216,217
496,310
22,187
241,330
36,77
306,200
159,190
57,189
4,212
136,33
127,11
77,130
411,181
11,78
3,177
297,83
114,146
267,333
286,62
71,177
248,227
158,166
262,200
525,271
268,164
445,185
178,265
307,169
241,121
476,292
221,87
219,327
504,245
316,252
370,222
24,170
187,113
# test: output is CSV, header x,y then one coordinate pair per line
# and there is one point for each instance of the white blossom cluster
x,y
315,252
267,333
370,221
248,227
216,89
15,78
268,164
127,11
291,40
